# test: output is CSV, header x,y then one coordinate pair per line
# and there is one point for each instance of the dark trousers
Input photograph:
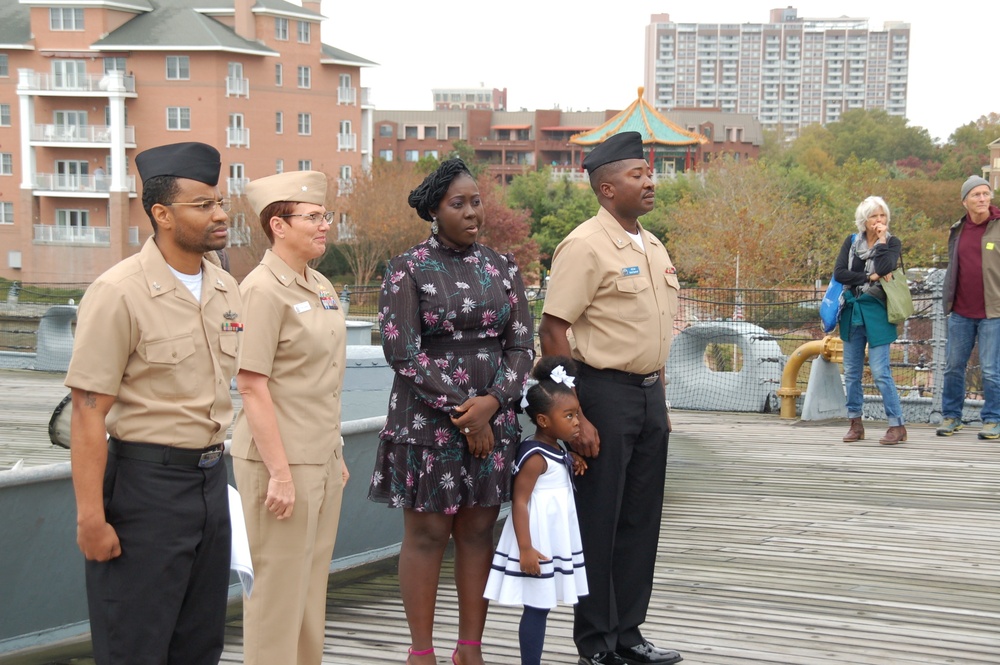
x,y
619,502
163,601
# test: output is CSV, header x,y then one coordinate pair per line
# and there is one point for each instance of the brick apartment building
x,y
513,142
86,84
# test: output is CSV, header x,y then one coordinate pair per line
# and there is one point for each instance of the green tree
x,y
874,134
967,149
556,206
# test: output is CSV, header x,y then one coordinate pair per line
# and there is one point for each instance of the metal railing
x,y
347,142
237,137
347,95
77,133
237,87
30,80
61,182
236,186
80,235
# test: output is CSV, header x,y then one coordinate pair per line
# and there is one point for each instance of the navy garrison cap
x,y
627,145
194,161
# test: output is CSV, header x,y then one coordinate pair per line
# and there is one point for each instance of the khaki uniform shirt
x,y
297,343
619,300
142,337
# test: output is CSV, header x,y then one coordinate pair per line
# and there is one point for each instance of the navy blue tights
x,y
532,634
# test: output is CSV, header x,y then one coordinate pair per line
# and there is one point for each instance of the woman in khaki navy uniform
x,y
613,282
286,441
155,350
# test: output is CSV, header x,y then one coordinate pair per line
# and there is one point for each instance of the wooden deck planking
x,y
780,545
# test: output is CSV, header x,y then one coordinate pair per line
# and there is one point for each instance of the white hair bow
x,y
524,393
559,375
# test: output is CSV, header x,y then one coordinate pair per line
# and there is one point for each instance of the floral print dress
x,y
455,324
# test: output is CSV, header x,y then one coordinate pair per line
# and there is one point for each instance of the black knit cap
x,y
626,145
194,161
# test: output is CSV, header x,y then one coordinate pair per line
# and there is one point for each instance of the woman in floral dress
x,y
457,331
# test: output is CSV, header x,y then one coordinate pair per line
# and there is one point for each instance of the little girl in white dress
x,y
539,559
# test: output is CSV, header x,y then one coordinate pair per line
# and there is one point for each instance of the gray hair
x,y
865,210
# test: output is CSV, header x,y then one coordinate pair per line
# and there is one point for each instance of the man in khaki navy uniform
x,y
287,453
155,350
613,282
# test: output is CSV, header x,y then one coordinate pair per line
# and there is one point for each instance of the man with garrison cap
x,y
613,283
156,346
972,305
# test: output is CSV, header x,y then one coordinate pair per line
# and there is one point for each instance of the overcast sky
x,y
589,56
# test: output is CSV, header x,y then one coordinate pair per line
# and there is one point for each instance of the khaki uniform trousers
x,y
285,616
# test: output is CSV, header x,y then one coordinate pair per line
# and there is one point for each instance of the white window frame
x,y
6,163
279,75
66,19
176,115
305,76
304,31
69,74
114,62
6,212
279,166
279,122
72,218
4,65
386,154
174,69
305,124
415,154
305,164
4,115
281,29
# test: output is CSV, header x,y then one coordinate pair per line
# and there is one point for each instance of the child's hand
x,y
530,558
579,464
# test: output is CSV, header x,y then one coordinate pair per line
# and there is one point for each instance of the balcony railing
x,y
347,95
77,134
237,87
239,236
347,142
29,80
237,186
237,137
80,235
366,97
61,182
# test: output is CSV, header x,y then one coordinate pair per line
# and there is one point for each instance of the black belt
x,y
204,458
644,380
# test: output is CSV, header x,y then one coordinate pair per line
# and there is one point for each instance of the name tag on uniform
x,y
632,270
328,302
303,307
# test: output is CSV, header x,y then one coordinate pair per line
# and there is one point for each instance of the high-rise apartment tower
x,y
790,72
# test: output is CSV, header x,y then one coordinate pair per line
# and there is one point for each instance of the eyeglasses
x,y
315,218
207,207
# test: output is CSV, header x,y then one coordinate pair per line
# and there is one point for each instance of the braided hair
x,y
427,196
542,395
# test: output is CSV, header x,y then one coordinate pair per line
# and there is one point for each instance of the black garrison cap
x,y
195,161
626,145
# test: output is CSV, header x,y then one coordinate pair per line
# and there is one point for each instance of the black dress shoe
x,y
603,658
647,654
